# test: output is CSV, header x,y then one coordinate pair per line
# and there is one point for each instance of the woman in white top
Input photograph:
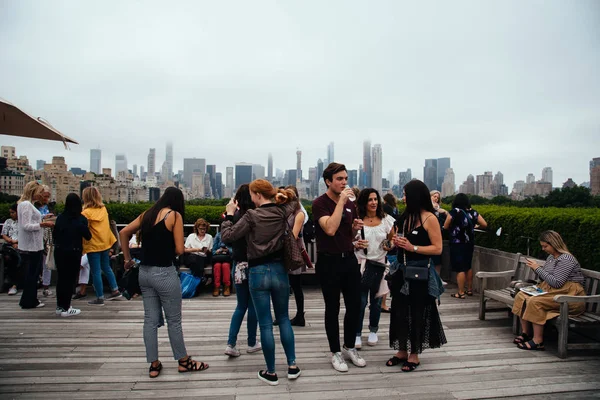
x,y
31,242
198,247
378,231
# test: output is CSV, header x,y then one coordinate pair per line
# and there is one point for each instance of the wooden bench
x,y
591,316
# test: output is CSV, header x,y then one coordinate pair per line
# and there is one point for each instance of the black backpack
x,y
308,231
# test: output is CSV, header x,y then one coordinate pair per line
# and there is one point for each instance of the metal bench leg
x,y
482,300
563,330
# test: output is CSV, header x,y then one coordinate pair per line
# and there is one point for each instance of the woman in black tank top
x,y
415,323
161,231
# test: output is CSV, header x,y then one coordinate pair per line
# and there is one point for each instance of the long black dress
x,y
415,323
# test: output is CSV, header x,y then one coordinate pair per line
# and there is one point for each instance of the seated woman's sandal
x,y
522,338
531,345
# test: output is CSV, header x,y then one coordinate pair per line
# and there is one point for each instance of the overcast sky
x,y
511,86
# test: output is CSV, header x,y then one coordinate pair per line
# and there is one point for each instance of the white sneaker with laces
x,y
70,312
231,351
12,291
40,305
353,355
372,340
358,343
338,362
254,349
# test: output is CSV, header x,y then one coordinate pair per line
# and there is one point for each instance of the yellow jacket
x,y
102,236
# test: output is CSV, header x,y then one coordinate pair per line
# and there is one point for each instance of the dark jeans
x,y
244,302
195,263
374,308
32,265
337,275
12,265
296,285
68,263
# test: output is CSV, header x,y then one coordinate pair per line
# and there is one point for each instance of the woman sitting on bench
x,y
198,248
561,274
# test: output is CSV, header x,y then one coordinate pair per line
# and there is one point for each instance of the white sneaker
x,y
12,291
47,292
70,312
338,362
231,351
59,310
444,283
353,355
372,340
358,343
254,349
40,305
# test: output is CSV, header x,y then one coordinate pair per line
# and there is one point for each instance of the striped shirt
x,y
557,271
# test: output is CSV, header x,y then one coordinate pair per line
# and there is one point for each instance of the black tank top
x,y
158,245
418,237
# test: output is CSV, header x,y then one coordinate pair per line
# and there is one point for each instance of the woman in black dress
x,y
415,322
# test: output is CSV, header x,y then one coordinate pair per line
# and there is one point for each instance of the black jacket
x,y
69,231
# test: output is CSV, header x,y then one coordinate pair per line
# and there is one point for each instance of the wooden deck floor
x,y
100,355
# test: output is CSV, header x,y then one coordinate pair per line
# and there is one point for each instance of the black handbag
x,y
416,270
373,273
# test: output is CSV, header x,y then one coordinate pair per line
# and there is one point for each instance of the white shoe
x,y
358,343
40,305
254,349
70,312
372,340
338,362
231,351
59,310
444,283
47,292
353,355
12,291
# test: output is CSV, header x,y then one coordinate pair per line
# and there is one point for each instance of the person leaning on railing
x,y
561,274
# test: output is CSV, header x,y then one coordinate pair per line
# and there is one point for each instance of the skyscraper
x,y
229,182
314,182
270,168
442,165
483,184
403,179
211,171
352,178
595,176
367,163
39,164
376,173
319,169
191,166
468,186
258,171
134,171
95,161
430,173
152,162
120,164
298,167
219,185
243,174
530,178
547,175
169,160
449,185
142,172
330,154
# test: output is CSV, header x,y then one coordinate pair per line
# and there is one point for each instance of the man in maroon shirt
x,y
337,269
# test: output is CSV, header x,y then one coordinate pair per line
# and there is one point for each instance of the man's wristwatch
x,y
415,248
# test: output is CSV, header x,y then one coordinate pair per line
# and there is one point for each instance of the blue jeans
x,y
244,302
374,309
266,282
100,262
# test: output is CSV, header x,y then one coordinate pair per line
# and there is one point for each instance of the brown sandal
x,y
191,366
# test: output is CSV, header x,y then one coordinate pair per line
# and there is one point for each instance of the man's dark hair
x,y
332,169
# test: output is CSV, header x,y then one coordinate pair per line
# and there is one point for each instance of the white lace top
x,y
31,234
375,235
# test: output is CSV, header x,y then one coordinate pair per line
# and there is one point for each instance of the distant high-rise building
x,y
330,154
142,172
270,168
377,167
547,175
96,161
298,167
449,185
191,166
570,184
211,171
442,165
367,164
483,184
169,160
219,185
403,179
120,164
392,177
530,178
243,174
468,186
229,182
518,188
314,182
430,173
278,174
258,171
8,152
498,186
320,168
152,162
353,178
290,177
134,171
39,164
595,176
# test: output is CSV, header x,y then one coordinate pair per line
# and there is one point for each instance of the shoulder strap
x,y
166,215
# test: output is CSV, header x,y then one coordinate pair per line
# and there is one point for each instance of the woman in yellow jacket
x,y
97,248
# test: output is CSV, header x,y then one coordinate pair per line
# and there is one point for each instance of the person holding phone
x,y
337,269
197,246
561,275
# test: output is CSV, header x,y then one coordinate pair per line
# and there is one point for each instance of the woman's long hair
x,y
243,199
72,205
91,198
555,240
30,191
418,200
172,198
266,190
362,200
295,190
462,202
